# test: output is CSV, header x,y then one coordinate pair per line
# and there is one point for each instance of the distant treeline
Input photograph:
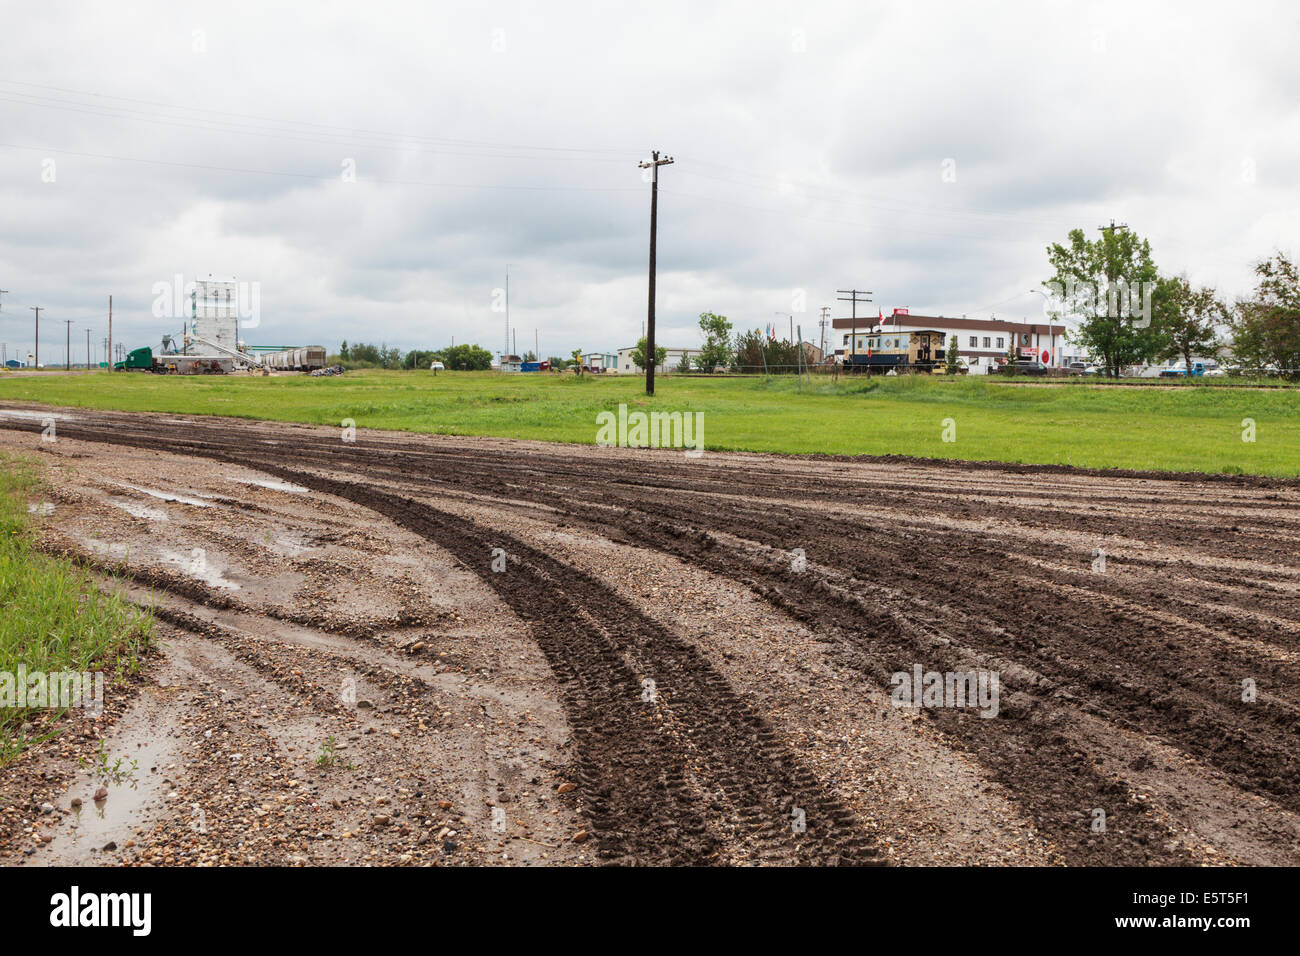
x,y
458,357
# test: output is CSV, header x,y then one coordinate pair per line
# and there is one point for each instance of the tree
x,y
753,352
363,355
717,342
577,360
467,358
1266,327
1097,281
638,354
684,366
343,351
950,355
530,356
1189,319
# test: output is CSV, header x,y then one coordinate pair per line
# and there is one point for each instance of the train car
x,y
885,351
306,359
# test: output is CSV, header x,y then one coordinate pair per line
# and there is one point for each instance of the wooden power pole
x,y
37,310
653,165
853,297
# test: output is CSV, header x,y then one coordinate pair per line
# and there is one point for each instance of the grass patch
x,y
52,615
1195,427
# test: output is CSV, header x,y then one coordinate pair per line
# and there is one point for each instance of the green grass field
x,y
52,615
1189,428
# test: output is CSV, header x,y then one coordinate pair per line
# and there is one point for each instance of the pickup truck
x,y
1177,371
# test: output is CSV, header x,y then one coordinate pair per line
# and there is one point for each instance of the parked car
x,y
1023,367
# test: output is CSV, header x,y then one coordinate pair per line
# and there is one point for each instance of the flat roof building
x,y
982,343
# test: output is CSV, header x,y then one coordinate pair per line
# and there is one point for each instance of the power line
x,y
309,176
323,126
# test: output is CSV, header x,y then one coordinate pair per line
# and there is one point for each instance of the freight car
x,y
306,359
885,351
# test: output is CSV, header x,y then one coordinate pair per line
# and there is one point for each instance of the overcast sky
x,y
376,166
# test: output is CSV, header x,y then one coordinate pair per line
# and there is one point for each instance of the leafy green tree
x,y
717,348
1110,284
343,351
638,354
363,355
530,356
577,360
684,366
1189,318
1266,327
558,364
467,358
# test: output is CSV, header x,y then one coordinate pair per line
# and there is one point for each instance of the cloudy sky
x,y
376,167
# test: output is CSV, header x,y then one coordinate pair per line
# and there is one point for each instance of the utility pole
x,y
505,349
87,349
37,361
822,323
853,297
653,165
108,348
67,346
3,292
537,346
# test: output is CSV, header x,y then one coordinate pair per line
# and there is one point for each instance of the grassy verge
x,y
52,616
1189,428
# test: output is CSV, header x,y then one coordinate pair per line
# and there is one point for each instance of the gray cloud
x,y
811,143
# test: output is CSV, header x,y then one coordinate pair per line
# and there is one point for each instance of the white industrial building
x,y
214,312
671,363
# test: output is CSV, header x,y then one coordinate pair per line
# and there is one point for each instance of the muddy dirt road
x,y
526,653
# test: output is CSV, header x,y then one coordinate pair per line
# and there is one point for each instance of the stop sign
x,y
1046,356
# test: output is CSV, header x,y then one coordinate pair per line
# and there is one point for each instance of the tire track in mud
x,y
694,776
1166,687
647,765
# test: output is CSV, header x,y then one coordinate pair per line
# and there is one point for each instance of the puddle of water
x,y
197,564
116,818
166,496
276,486
17,413
138,510
107,549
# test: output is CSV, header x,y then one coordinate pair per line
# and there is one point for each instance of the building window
x,y
1024,338
846,339
974,342
986,342
1000,345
